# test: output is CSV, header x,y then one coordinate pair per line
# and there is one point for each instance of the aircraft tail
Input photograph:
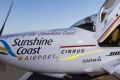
x,y
7,16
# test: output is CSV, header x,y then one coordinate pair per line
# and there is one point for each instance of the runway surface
x,y
37,76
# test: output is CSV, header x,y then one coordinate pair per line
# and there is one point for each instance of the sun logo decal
x,y
6,50
3,51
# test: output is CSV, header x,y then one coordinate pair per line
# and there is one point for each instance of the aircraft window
x,y
87,26
105,10
108,3
87,23
113,39
103,16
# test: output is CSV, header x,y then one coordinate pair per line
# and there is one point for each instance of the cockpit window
x,y
103,16
108,3
87,23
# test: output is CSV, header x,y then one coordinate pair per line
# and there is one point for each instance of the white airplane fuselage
x,y
72,50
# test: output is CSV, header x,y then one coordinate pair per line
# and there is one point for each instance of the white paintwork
x,y
66,37
74,50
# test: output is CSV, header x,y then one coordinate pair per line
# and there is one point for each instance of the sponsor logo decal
x,y
91,60
72,51
114,53
24,52
6,50
49,33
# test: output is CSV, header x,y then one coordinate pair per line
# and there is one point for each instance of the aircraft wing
x,y
113,67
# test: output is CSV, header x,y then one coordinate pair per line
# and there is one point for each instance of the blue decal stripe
x,y
8,48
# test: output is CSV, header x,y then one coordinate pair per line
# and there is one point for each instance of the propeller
x,y
3,66
1,31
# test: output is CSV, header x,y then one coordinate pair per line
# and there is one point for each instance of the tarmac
x,y
8,72
37,76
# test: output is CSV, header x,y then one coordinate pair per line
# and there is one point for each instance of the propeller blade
x,y
1,31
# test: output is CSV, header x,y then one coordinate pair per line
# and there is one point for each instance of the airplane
x,y
89,46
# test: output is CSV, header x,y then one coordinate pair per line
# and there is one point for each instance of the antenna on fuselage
x,y
1,31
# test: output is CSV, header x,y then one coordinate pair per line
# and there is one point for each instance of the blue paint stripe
x,y
8,48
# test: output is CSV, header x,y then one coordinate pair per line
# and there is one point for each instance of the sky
x,y
37,15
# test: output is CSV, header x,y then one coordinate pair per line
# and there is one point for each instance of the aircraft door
x,y
107,19
113,40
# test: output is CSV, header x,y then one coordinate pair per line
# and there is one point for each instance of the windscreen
x,y
87,23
